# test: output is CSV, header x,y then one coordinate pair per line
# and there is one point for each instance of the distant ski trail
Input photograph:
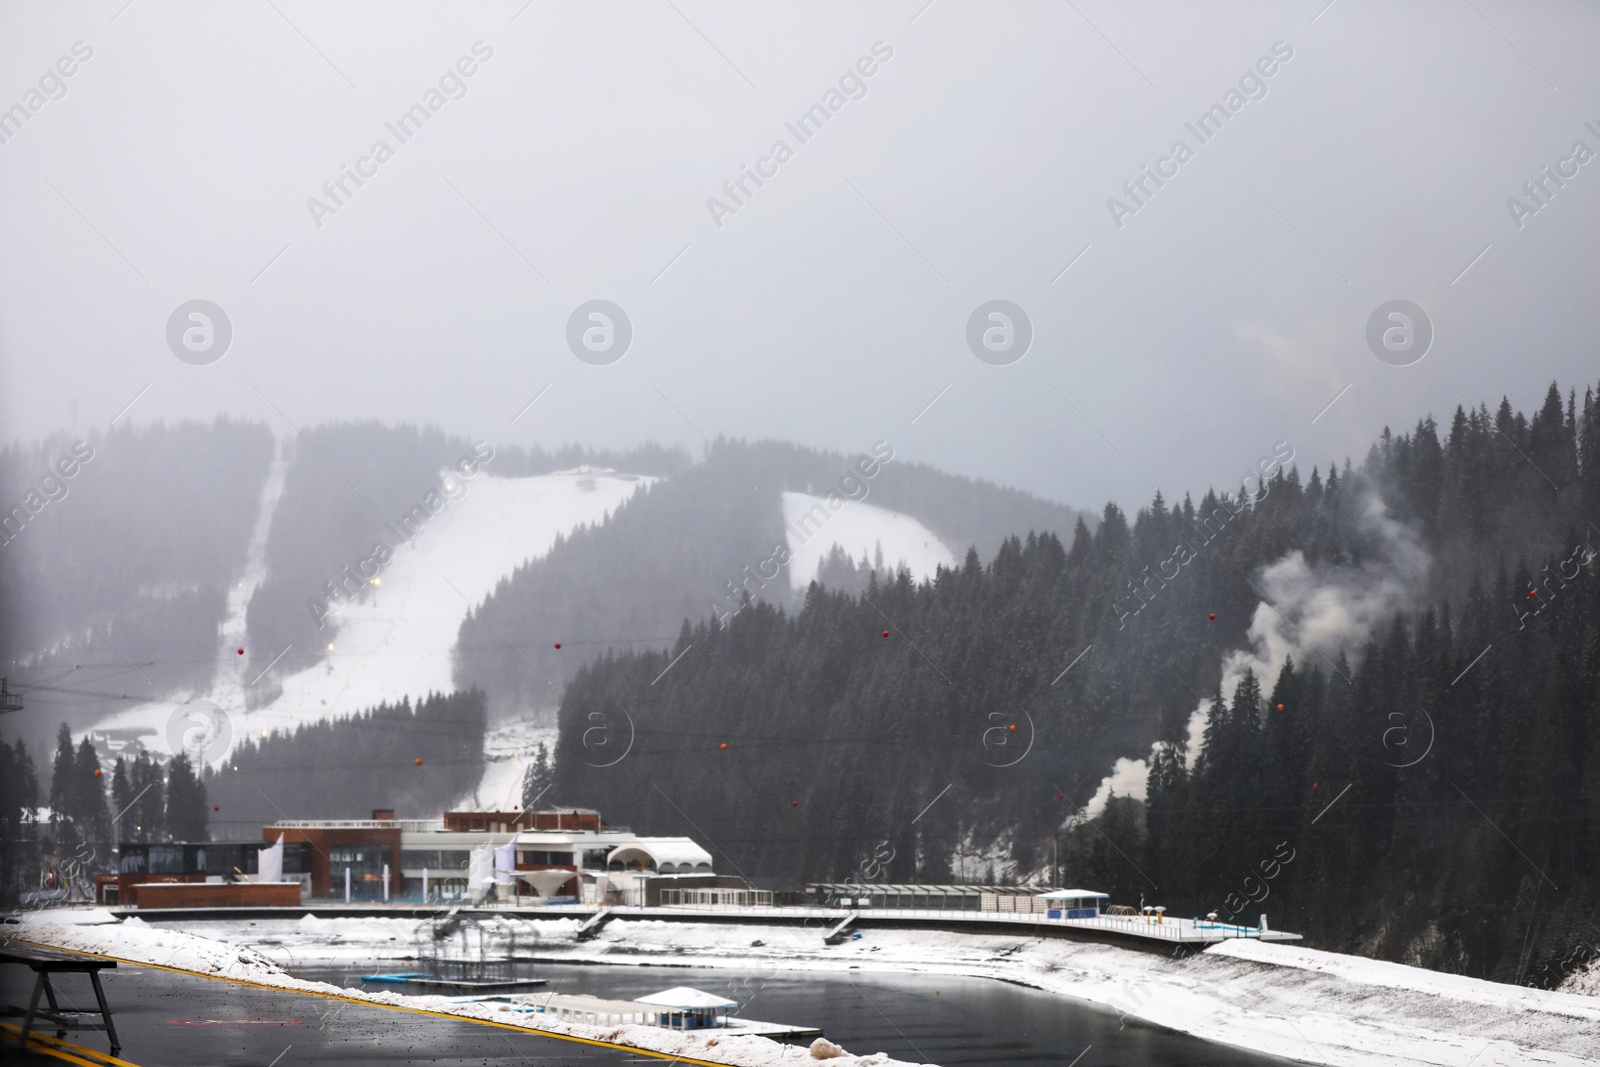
x,y
233,671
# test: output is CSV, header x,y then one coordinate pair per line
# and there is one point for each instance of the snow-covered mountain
x,y
298,580
397,639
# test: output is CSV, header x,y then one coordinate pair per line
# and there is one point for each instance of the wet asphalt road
x,y
178,1020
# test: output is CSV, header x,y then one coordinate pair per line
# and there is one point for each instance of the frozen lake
x,y
951,1021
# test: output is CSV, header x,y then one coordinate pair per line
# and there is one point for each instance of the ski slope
x,y
508,751
859,528
398,642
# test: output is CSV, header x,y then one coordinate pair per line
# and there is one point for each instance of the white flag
x,y
269,867
480,867
505,862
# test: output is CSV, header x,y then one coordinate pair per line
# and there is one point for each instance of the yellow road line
x,y
54,1046
393,1007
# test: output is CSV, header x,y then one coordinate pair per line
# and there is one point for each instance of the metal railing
x,y
1137,926
716,897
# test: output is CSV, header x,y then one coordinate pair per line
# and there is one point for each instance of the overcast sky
x,y
1216,315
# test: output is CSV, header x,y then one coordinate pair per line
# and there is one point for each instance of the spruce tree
x,y
64,806
121,795
188,811
92,814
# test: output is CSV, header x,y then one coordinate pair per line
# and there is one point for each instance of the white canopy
x,y
1073,894
683,997
505,861
679,851
546,882
480,866
270,864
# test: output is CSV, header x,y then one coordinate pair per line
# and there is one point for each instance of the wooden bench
x,y
44,963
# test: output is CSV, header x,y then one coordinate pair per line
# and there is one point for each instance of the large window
x,y
365,864
434,859
552,859
166,859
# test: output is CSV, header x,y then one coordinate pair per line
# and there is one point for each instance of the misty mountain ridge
x,y
274,575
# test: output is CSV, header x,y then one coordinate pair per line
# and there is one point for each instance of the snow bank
x,y
1584,981
1318,1007
139,942
80,916
1283,1000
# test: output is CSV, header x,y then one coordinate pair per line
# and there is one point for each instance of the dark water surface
x,y
957,1022
172,1019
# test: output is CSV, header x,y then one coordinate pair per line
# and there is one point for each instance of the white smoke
x,y
1312,613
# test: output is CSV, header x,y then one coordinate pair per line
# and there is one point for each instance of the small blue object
x,y
1054,913
855,937
392,977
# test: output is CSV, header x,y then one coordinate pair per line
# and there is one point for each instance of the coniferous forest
x,y
417,758
1374,692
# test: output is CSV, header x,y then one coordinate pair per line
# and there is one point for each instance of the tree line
x,y
795,744
415,757
88,815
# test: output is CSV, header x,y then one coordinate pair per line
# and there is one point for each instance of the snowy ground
x,y
507,751
1585,980
1283,1000
233,672
398,642
139,942
859,528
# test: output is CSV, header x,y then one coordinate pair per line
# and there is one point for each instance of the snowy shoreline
x,y
135,941
1280,1000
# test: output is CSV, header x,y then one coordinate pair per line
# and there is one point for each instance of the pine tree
x,y
188,811
19,797
147,819
537,778
92,815
64,805
121,795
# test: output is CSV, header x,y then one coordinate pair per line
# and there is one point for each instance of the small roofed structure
x,y
1074,903
660,855
688,1009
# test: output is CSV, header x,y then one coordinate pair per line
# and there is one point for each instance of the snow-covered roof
x,y
893,887
681,996
663,850
1073,894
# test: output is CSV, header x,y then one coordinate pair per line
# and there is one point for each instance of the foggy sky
x,y
576,162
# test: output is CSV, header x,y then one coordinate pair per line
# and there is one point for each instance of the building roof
x,y
1074,894
868,888
681,996
663,850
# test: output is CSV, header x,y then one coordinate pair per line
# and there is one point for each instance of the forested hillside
x,y
1405,760
124,561
415,758
352,486
683,547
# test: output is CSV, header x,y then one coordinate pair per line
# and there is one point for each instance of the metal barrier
x,y
1137,926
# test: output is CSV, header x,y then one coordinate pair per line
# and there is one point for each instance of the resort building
x,y
1001,898
432,859
559,856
